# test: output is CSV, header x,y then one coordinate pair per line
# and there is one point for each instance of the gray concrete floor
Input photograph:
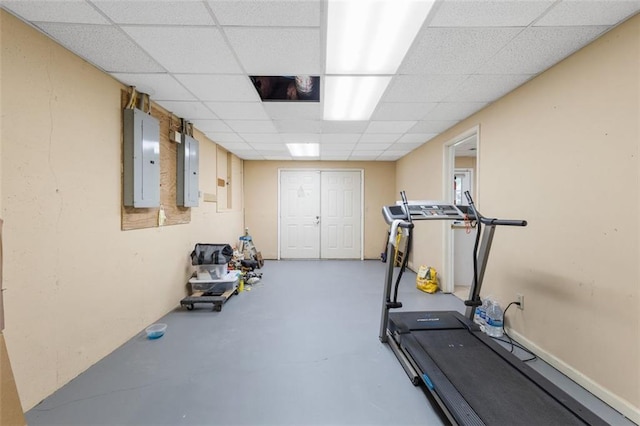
x,y
300,348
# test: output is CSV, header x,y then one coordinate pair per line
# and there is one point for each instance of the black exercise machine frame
x,y
420,368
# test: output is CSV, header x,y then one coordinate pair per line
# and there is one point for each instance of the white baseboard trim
x,y
623,406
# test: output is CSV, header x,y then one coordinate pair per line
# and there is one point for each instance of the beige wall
x,y
261,200
76,286
562,152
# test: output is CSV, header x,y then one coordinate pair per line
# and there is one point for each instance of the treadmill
x,y
474,379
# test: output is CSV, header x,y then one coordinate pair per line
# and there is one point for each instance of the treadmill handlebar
x,y
490,220
505,222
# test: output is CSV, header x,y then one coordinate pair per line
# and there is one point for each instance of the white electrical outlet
x,y
520,300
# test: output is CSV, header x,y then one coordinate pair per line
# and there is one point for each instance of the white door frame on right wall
x,y
447,283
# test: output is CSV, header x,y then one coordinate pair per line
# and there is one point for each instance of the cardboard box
x,y
10,407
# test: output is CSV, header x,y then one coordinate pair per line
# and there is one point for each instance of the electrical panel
x,y
187,172
141,159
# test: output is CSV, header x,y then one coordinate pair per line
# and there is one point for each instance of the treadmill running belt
x,y
509,398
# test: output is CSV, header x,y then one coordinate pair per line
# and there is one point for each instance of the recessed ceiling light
x,y
372,36
304,149
352,97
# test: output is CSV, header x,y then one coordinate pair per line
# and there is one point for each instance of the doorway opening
x,y
320,214
460,174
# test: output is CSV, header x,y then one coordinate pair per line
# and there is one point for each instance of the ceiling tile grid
x,y
186,49
161,87
210,87
155,12
238,110
267,13
489,13
538,48
106,47
276,51
194,57
78,12
441,50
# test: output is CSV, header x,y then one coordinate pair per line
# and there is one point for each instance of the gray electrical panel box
x,y
141,159
187,172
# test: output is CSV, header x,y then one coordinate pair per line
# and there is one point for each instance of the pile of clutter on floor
x,y
246,259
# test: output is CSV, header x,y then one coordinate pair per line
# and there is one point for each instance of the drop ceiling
x,y
194,58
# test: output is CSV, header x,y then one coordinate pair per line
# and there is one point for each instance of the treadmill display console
x,y
422,210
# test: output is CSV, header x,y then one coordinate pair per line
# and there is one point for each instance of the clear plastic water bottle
x,y
481,311
494,318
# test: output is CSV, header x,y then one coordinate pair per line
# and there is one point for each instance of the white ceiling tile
x,y
249,155
236,146
161,87
387,138
454,110
427,88
186,49
275,153
267,13
402,110
439,50
431,126
238,110
337,147
300,137
339,138
258,138
188,110
420,138
389,126
593,12
475,13
291,110
371,147
252,126
277,51
216,87
538,48
344,126
55,11
103,46
334,156
298,126
212,126
224,137
487,88
156,12
269,147
364,156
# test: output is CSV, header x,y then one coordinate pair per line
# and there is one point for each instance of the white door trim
x,y
301,169
448,168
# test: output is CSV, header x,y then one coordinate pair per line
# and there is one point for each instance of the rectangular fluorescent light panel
x,y
352,97
372,36
304,149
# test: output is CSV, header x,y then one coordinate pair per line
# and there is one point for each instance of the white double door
x,y
320,214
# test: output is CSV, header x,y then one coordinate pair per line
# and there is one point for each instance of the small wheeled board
x,y
201,297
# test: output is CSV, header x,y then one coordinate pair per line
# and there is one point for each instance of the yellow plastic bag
x,y
427,279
